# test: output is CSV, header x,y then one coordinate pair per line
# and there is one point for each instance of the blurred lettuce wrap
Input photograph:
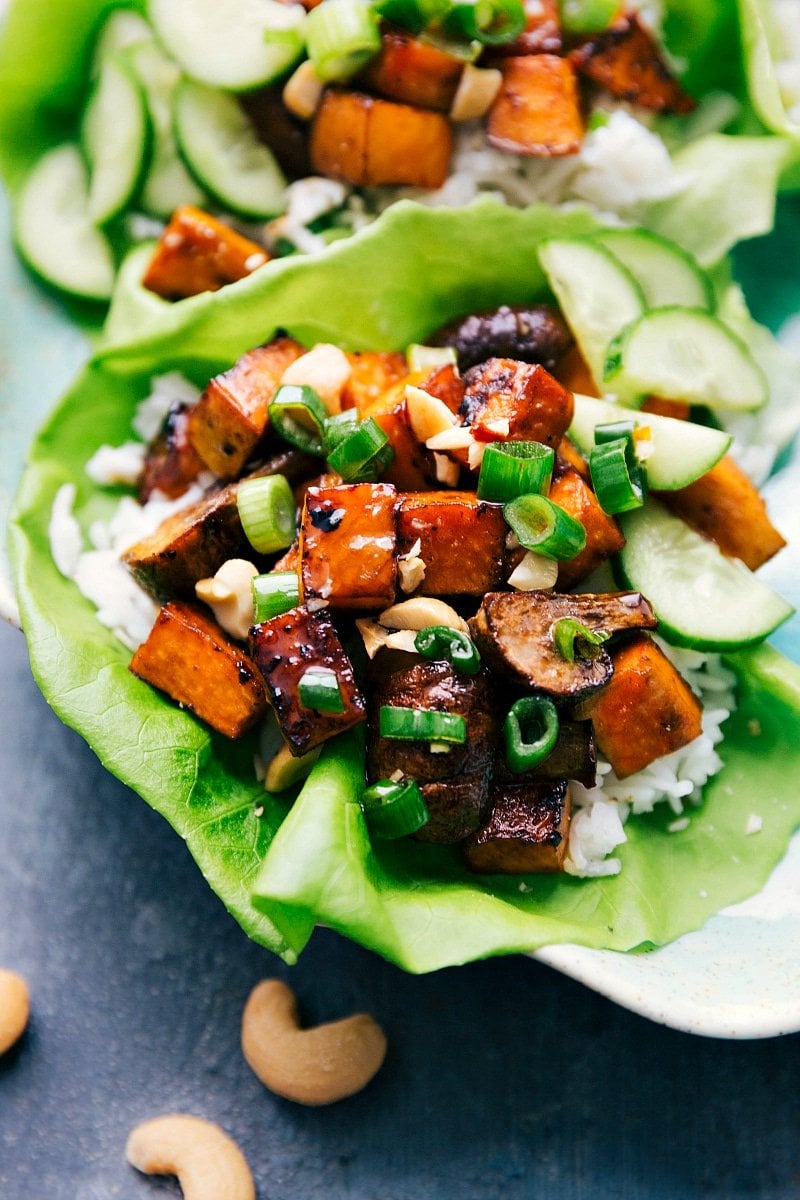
x,y
283,868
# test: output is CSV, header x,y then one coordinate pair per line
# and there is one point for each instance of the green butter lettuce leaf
x,y
287,869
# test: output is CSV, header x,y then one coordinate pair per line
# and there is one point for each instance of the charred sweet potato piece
x,y
537,111
567,452
542,32
535,405
526,832
573,372
532,333
572,757
188,656
231,417
373,372
348,541
603,535
283,649
445,383
513,631
413,72
370,142
455,784
625,60
725,506
462,541
197,253
171,462
411,469
646,711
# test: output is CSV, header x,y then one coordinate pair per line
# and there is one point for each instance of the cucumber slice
x,y
233,44
682,451
701,598
221,149
597,295
121,29
666,273
167,183
54,233
685,354
114,135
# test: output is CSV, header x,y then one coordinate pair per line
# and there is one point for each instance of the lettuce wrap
x,y
283,867
726,167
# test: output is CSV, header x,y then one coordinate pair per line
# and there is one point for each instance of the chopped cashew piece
x,y
411,572
14,1009
402,639
310,1066
419,613
447,471
286,769
229,595
427,415
303,90
209,1165
373,635
475,93
534,573
326,369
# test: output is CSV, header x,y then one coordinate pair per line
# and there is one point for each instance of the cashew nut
x,y
427,414
310,1066
229,594
209,1165
326,369
475,93
419,613
14,1009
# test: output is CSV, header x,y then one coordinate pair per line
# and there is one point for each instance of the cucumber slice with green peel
x,y
665,272
221,149
681,450
237,45
54,232
115,134
701,598
685,354
121,29
167,183
597,294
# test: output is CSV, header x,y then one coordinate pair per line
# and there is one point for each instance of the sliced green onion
x,y
512,469
337,428
545,527
319,689
413,15
427,358
365,453
421,725
394,810
341,36
273,594
613,431
618,478
298,415
530,732
268,512
488,21
588,16
573,637
442,642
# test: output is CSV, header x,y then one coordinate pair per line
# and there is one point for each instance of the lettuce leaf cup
x,y
282,867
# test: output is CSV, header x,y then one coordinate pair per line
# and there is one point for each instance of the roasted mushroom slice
x,y
516,634
526,832
532,333
572,757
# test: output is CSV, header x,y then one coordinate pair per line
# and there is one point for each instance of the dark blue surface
x,y
503,1081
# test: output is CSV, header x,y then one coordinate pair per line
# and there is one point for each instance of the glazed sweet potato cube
x,y
526,832
348,541
411,469
462,540
603,536
542,32
197,253
373,372
445,383
537,111
283,649
171,462
370,142
626,61
231,417
569,453
647,709
725,506
188,656
536,406
413,72
573,372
